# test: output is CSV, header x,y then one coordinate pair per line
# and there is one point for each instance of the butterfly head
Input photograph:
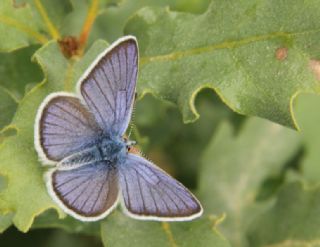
x,y
129,143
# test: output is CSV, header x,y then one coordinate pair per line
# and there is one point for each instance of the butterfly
x,y
83,137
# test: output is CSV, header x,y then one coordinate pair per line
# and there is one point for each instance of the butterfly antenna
x,y
130,131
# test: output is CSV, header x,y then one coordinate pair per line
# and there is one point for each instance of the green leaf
x,y
26,195
5,218
192,6
23,23
17,71
110,23
308,117
18,74
55,10
172,145
234,166
254,54
5,132
50,219
47,238
16,32
5,222
61,238
119,230
8,106
74,21
292,221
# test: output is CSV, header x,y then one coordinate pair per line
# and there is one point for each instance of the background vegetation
x,y
223,88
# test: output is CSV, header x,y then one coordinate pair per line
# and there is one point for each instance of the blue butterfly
x,y
83,137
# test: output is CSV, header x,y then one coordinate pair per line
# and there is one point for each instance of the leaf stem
x,y
91,16
51,28
68,77
27,30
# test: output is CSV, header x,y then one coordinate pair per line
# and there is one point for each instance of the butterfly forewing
x,y
65,127
108,86
149,192
88,192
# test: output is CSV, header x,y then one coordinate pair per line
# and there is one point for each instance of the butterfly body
x,y
83,137
112,151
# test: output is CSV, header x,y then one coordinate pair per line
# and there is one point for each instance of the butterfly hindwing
x,y
150,193
88,192
108,86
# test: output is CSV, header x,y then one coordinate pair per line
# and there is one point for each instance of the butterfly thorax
x,y
114,151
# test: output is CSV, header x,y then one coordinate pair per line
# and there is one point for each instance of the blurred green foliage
x,y
257,180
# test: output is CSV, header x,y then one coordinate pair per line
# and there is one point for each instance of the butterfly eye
x,y
129,144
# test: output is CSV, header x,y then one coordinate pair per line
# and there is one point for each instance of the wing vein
x,y
142,198
66,182
81,193
71,114
57,125
163,191
127,189
98,195
101,91
95,107
120,72
57,144
112,89
74,188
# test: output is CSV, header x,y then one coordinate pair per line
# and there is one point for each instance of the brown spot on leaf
x,y
281,53
315,67
69,46
19,4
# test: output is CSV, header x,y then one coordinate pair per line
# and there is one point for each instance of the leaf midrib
x,y
224,45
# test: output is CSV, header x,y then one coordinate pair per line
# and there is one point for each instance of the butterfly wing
x,y
150,193
63,127
108,86
88,193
